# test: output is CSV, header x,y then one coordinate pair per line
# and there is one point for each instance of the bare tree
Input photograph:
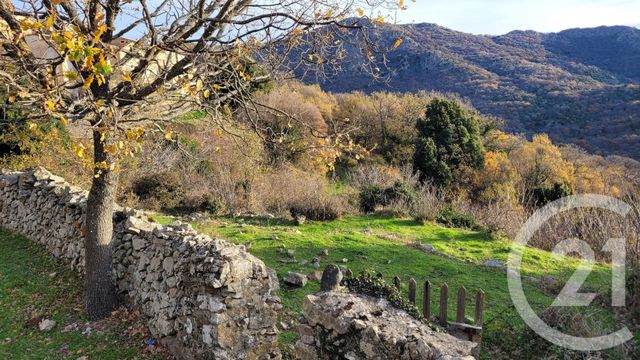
x,y
106,62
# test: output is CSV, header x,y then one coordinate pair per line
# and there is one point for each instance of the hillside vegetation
x,y
581,86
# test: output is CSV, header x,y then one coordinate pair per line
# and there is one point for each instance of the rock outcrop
x,y
204,298
341,325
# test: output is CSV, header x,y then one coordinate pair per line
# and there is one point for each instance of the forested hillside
x,y
580,86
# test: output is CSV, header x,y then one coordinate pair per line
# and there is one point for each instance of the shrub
x,y
370,197
450,217
399,194
319,207
426,205
160,190
542,196
290,191
399,191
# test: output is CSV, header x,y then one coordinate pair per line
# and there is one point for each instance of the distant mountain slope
x,y
581,86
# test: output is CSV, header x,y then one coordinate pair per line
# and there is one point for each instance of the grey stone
x,y
315,276
494,264
167,265
331,278
296,279
46,325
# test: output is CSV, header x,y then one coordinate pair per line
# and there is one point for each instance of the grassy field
x,y
382,245
33,287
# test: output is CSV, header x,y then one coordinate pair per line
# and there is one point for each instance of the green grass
x,y
33,286
381,245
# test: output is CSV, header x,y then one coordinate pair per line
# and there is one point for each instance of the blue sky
x,y
501,16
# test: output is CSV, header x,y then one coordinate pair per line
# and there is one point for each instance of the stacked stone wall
x,y
203,297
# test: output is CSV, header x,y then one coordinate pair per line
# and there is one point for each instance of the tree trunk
x,y
100,293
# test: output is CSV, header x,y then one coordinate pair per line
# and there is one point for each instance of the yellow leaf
x,y
218,150
397,43
218,132
102,165
199,85
50,105
101,30
360,11
110,149
71,75
32,126
11,99
62,119
216,86
79,150
49,22
87,83
126,77
167,135
206,94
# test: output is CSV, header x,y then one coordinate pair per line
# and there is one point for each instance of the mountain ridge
x,y
582,86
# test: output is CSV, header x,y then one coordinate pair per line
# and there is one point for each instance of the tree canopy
x,y
448,139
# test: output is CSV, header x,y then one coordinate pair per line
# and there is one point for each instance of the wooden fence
x,y
459,327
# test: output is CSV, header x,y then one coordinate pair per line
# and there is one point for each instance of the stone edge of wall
x,y
202,297
355,326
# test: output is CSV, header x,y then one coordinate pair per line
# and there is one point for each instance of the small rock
x,y
291,253
300,220
275,237
274,284
315,276
52,275
46,325
324,252
428,248
284,325
494,264
345,260
296,279
70,327
331,278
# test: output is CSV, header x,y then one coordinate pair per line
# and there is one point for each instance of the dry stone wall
x,y
342,325
204,298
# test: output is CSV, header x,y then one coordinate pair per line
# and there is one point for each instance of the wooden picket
x,y
444,301
462,293
426,300
412,291
458,327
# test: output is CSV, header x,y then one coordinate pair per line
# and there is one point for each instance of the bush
x,y
370,197
400,191
427,205
450,217
320,208
290,191
159,191
399,194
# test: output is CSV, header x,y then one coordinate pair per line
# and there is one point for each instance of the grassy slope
x,y
27,291
380,244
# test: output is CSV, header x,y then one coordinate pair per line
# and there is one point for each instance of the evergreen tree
x,y
448,139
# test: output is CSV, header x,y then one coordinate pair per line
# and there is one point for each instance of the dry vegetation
x,y
224,167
